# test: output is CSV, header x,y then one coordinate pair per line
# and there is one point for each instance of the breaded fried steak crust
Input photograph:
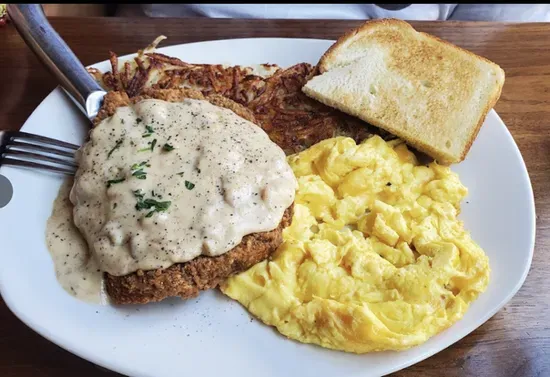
x,y
114,100
188,279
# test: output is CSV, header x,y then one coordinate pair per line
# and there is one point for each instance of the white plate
x,y
214,334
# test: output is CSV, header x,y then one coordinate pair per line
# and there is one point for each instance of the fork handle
x,y
43,40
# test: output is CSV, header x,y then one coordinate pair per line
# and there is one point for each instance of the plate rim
x,y
128,370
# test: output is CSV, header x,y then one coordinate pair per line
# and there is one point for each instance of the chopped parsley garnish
x,y
117,145
151,147
141,205
115,181
149,132
159,206
167,147
139,174
140,165
188,185
137,170
152,204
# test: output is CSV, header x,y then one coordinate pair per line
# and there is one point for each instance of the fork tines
x,y
35,151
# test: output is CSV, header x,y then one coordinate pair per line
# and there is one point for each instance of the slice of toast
x,y
430,93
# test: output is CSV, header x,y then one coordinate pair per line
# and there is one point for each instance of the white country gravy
x,y
75,268
162,183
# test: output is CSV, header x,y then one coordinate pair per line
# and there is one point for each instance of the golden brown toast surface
x,y
430,93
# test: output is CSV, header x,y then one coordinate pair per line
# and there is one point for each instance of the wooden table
x,y
515,342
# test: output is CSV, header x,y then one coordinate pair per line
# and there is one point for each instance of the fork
x,y
34,151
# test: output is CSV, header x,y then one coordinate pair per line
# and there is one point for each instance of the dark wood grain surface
x,y
515,342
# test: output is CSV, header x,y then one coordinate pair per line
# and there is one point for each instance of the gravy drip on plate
x,y
75,268
162,183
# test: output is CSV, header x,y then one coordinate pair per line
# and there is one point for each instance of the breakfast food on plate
x,y
174,193
430,93
367,255
375,258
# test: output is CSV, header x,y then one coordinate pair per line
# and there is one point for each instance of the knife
x,y
31,23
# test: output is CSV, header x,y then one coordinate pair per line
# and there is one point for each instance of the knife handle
x,y
31,23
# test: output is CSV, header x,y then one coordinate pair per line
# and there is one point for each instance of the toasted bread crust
x,y
186,280
386,22
490,104
326,61
321,66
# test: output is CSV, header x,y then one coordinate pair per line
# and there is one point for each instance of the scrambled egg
x,y
375,258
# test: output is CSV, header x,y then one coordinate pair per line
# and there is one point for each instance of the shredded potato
x,y
292,120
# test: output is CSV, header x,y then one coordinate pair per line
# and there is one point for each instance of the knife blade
x,y
33,26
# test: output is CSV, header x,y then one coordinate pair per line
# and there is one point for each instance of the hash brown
x,y
290,118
